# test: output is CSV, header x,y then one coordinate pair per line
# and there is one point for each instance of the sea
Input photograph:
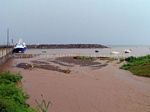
x,y
138,50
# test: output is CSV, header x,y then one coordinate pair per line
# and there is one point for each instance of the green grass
x,y
138,66
12,98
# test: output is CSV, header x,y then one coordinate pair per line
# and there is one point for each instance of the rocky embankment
x,y
65,46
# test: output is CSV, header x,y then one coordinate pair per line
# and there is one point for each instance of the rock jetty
x,y
65,46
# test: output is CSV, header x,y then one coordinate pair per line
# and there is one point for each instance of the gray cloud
x,y
76,21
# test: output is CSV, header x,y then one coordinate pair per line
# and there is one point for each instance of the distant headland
x,y
65,46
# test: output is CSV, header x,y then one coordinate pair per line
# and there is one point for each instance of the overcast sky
x,y
76,21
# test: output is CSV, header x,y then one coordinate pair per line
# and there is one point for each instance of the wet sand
x,y
107,89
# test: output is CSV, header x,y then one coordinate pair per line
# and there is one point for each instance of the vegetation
x,y
139,66
43,105
12,98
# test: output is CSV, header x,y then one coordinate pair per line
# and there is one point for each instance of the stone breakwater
x,y
66,46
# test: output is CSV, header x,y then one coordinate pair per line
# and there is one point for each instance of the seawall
x,y
5,54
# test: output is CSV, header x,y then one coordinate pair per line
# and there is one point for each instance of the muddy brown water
x,y
108,89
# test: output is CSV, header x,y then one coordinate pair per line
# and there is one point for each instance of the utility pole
x,y
12,41
7,49
7,37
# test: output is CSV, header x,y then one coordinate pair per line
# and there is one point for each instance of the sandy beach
x,y
94,86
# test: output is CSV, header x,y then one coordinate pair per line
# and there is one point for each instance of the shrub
x,y
12,92
4,81
7,105
130,59
139,66
11,77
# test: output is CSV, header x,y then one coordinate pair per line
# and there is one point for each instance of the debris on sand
x,y
25,66
82,61
53,68
20,55
39,62
42,66
84,58
96,51
61,63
